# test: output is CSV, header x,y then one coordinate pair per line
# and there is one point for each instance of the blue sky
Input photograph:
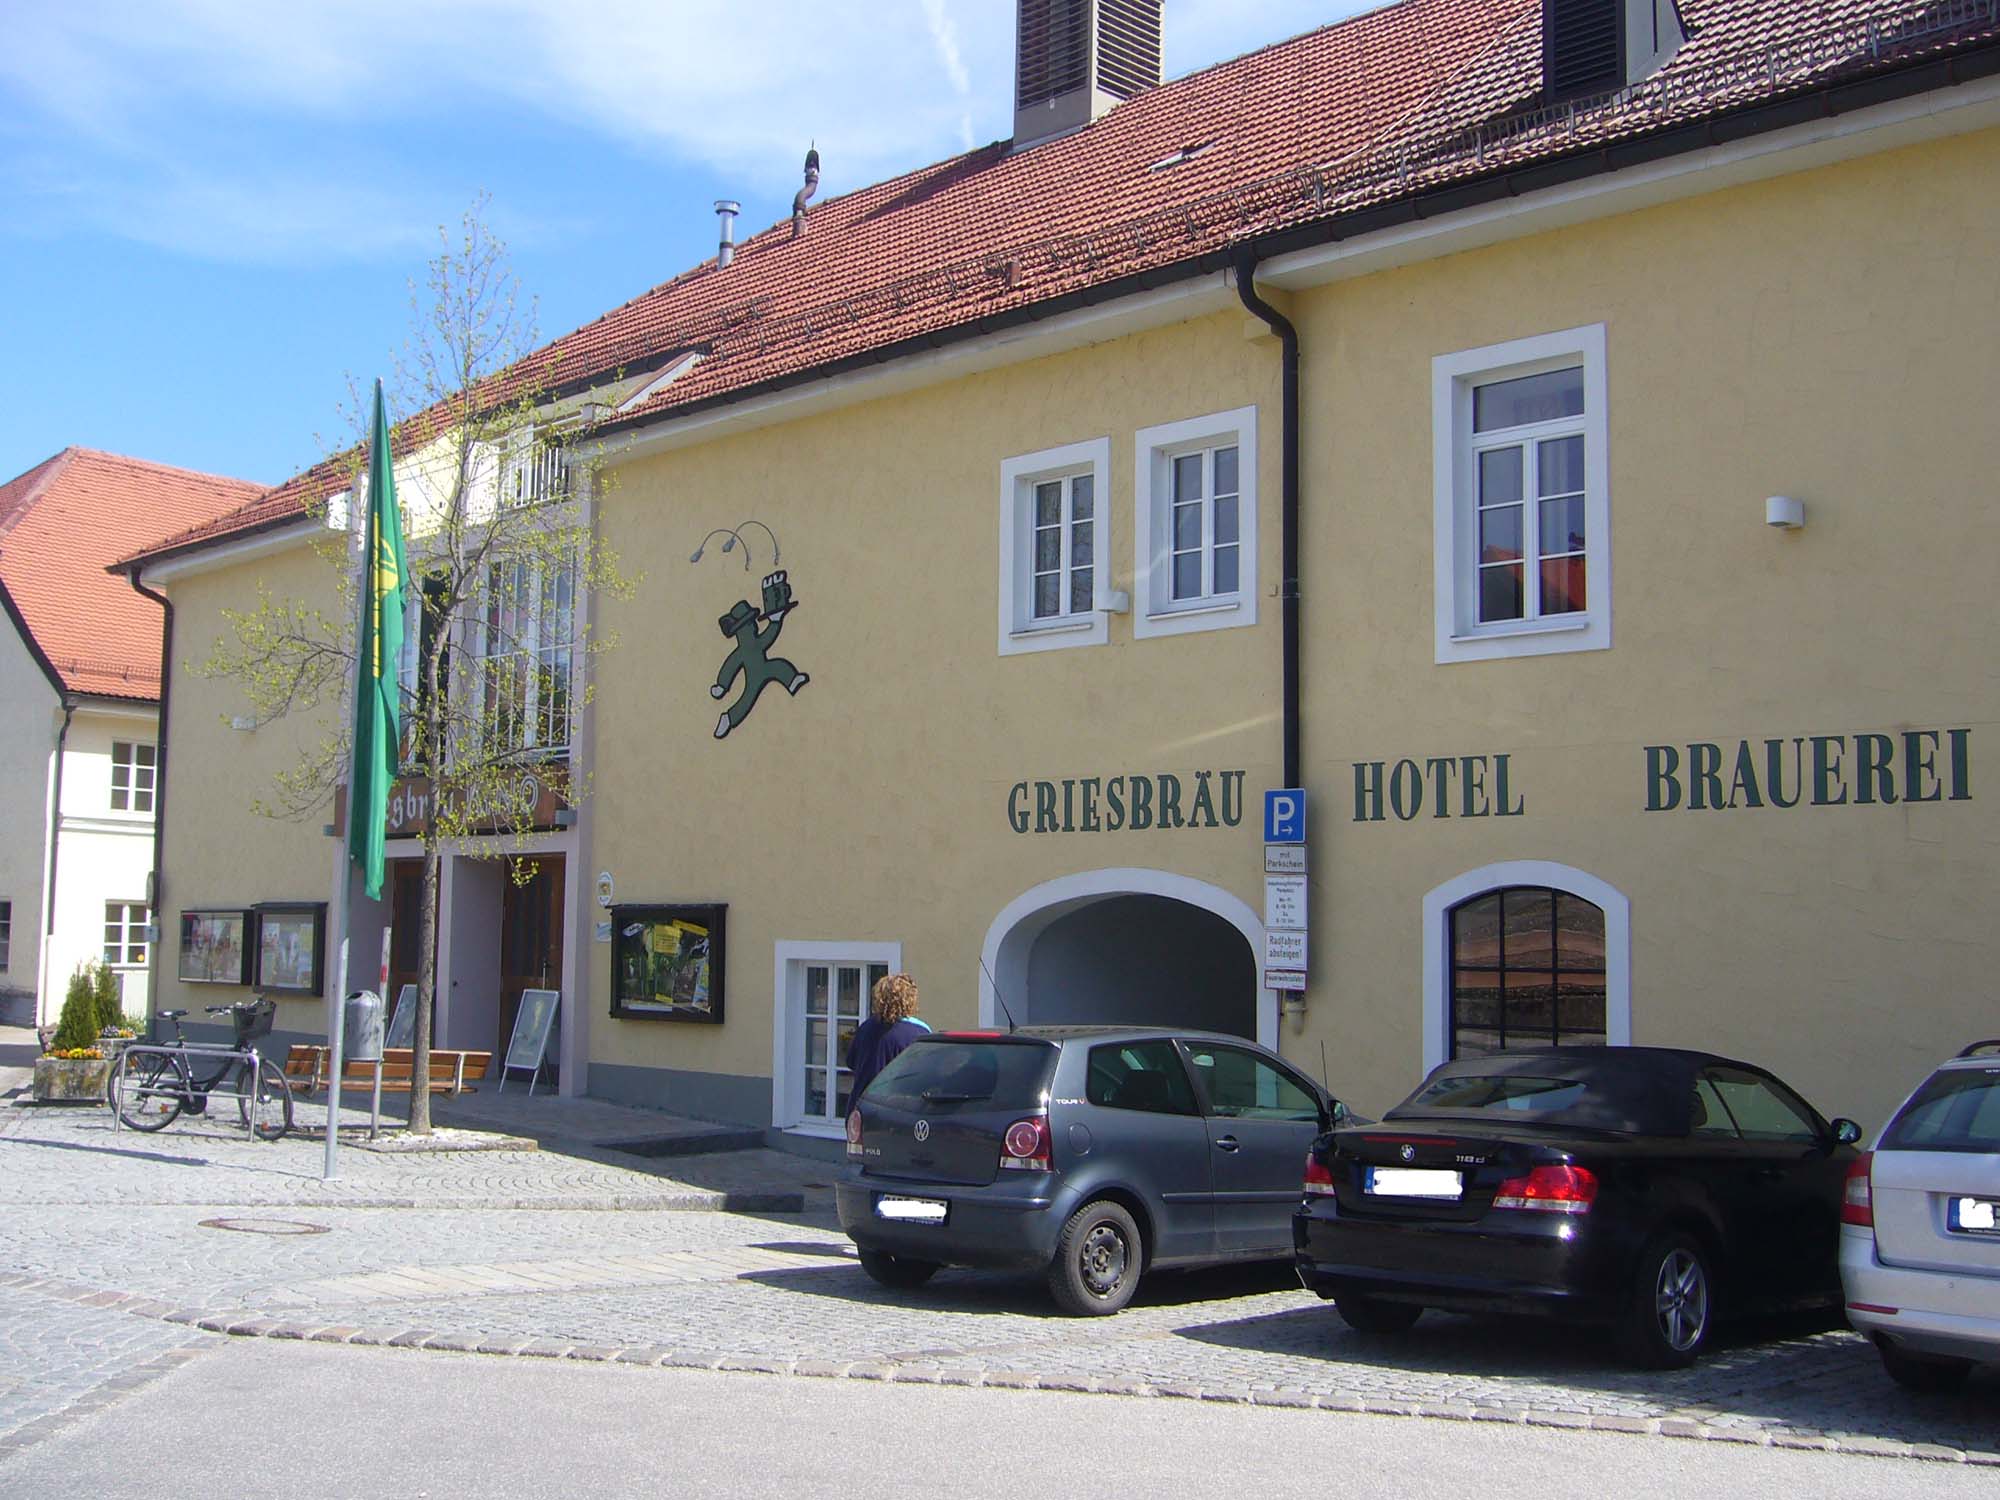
x,y
215,208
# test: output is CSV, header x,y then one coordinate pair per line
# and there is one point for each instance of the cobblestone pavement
x,y
116,1241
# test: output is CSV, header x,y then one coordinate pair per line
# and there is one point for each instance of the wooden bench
x,y
308,1070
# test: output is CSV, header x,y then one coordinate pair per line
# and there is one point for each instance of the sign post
x,y
1285,876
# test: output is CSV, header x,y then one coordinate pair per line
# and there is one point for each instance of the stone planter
x,y
66,1080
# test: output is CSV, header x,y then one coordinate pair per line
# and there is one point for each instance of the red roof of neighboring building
x,y
1388,106
62,524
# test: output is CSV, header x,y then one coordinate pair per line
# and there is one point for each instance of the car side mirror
x,y
1846,1132
1339,1113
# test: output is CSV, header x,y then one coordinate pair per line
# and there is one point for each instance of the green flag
x,y
378,719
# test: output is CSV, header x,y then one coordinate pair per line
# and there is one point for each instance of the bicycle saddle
x,y
169,1015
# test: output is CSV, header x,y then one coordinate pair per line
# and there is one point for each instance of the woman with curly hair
x,y
891,1026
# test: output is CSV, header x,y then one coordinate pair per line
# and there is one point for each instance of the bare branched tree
x,y
495,490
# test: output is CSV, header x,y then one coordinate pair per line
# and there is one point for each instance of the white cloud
x,y
199,124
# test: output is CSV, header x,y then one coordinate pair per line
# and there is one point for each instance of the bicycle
x,y
154,1084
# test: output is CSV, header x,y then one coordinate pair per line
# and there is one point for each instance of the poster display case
x,y
668,962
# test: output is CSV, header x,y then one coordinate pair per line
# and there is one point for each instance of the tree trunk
x,y
420,1049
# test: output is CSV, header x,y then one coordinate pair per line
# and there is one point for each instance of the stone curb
x,y
693,1202
237,1324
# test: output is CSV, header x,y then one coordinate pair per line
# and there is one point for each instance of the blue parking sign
x,y
1285,816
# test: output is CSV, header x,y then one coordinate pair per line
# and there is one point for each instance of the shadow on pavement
x,y
1801,1371
161,1156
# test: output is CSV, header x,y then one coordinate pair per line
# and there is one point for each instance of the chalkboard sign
x,y
403,1024
531,1035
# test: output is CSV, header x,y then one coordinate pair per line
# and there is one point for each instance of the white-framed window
x,y
1525,953
823,994
536,471
134,774
1195,518
1055,577
1521,503
125,933
522,647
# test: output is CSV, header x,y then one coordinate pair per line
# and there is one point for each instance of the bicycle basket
x,y
253,1020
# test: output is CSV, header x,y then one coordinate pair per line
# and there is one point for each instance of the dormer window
x,y
1592,47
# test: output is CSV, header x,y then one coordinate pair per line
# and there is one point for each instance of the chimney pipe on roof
x,y
726,210
805,193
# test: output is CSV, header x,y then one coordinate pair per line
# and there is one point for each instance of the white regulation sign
x,y
1284,952
1285,901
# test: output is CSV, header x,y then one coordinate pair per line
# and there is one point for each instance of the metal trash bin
x,y
361,1027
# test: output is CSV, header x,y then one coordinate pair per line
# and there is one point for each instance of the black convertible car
x,y
1640,1188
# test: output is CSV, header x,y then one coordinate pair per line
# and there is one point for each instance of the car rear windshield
x,y
947,1073
1957,1109
1507,1093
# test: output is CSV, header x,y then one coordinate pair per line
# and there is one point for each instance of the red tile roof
x,y
62,524
1390,105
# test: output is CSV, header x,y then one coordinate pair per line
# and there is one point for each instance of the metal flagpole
x,y
343,894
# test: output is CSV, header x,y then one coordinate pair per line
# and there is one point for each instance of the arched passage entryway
x,y
1128,946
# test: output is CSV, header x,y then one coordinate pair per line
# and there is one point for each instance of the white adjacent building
x,y
80,775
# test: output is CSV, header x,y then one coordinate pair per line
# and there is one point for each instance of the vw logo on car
x,y
922,1130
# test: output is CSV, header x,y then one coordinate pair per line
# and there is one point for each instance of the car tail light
x,y
1025,1146
1553,1190
854,1132
1319,1181
1857,1198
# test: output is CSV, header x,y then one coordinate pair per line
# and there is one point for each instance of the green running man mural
x,y
750,656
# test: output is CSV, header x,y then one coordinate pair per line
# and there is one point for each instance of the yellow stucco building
x,y
1625,620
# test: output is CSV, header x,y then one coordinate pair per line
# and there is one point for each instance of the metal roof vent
x,y
1075,59
1592,47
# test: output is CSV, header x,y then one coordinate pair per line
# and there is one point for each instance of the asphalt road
x,y
257,1418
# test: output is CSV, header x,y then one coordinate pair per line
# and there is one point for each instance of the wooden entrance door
x,y
531,938
406,937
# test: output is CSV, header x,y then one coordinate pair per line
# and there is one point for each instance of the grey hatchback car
x,y
1088,1153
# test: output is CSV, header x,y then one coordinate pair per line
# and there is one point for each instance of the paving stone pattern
x,y
105,1239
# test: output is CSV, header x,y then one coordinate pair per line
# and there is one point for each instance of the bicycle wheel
x,y
267,1107
145,1091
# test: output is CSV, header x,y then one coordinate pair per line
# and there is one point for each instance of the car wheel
x,y
1097,1262
1672,1306
1373,1315
1921,1372
896,1271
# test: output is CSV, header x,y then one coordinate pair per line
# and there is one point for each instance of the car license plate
x,y
911,1210
1974,1215
1414,1182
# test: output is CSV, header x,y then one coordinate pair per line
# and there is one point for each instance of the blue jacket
x,y
874,1046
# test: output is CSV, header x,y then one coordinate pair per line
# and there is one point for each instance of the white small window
x,y
1195,513
125,933
1521,505
823,995
134,767
1054,567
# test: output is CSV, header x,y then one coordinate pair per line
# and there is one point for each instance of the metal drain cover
x,y
265,1226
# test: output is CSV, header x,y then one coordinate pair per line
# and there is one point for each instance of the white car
x,y
1920,1228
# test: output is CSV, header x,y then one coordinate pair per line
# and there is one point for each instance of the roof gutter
x,y
1288,588
160,781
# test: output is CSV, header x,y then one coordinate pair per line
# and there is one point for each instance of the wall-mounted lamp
x,y
1117,602
1785,513
733,534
